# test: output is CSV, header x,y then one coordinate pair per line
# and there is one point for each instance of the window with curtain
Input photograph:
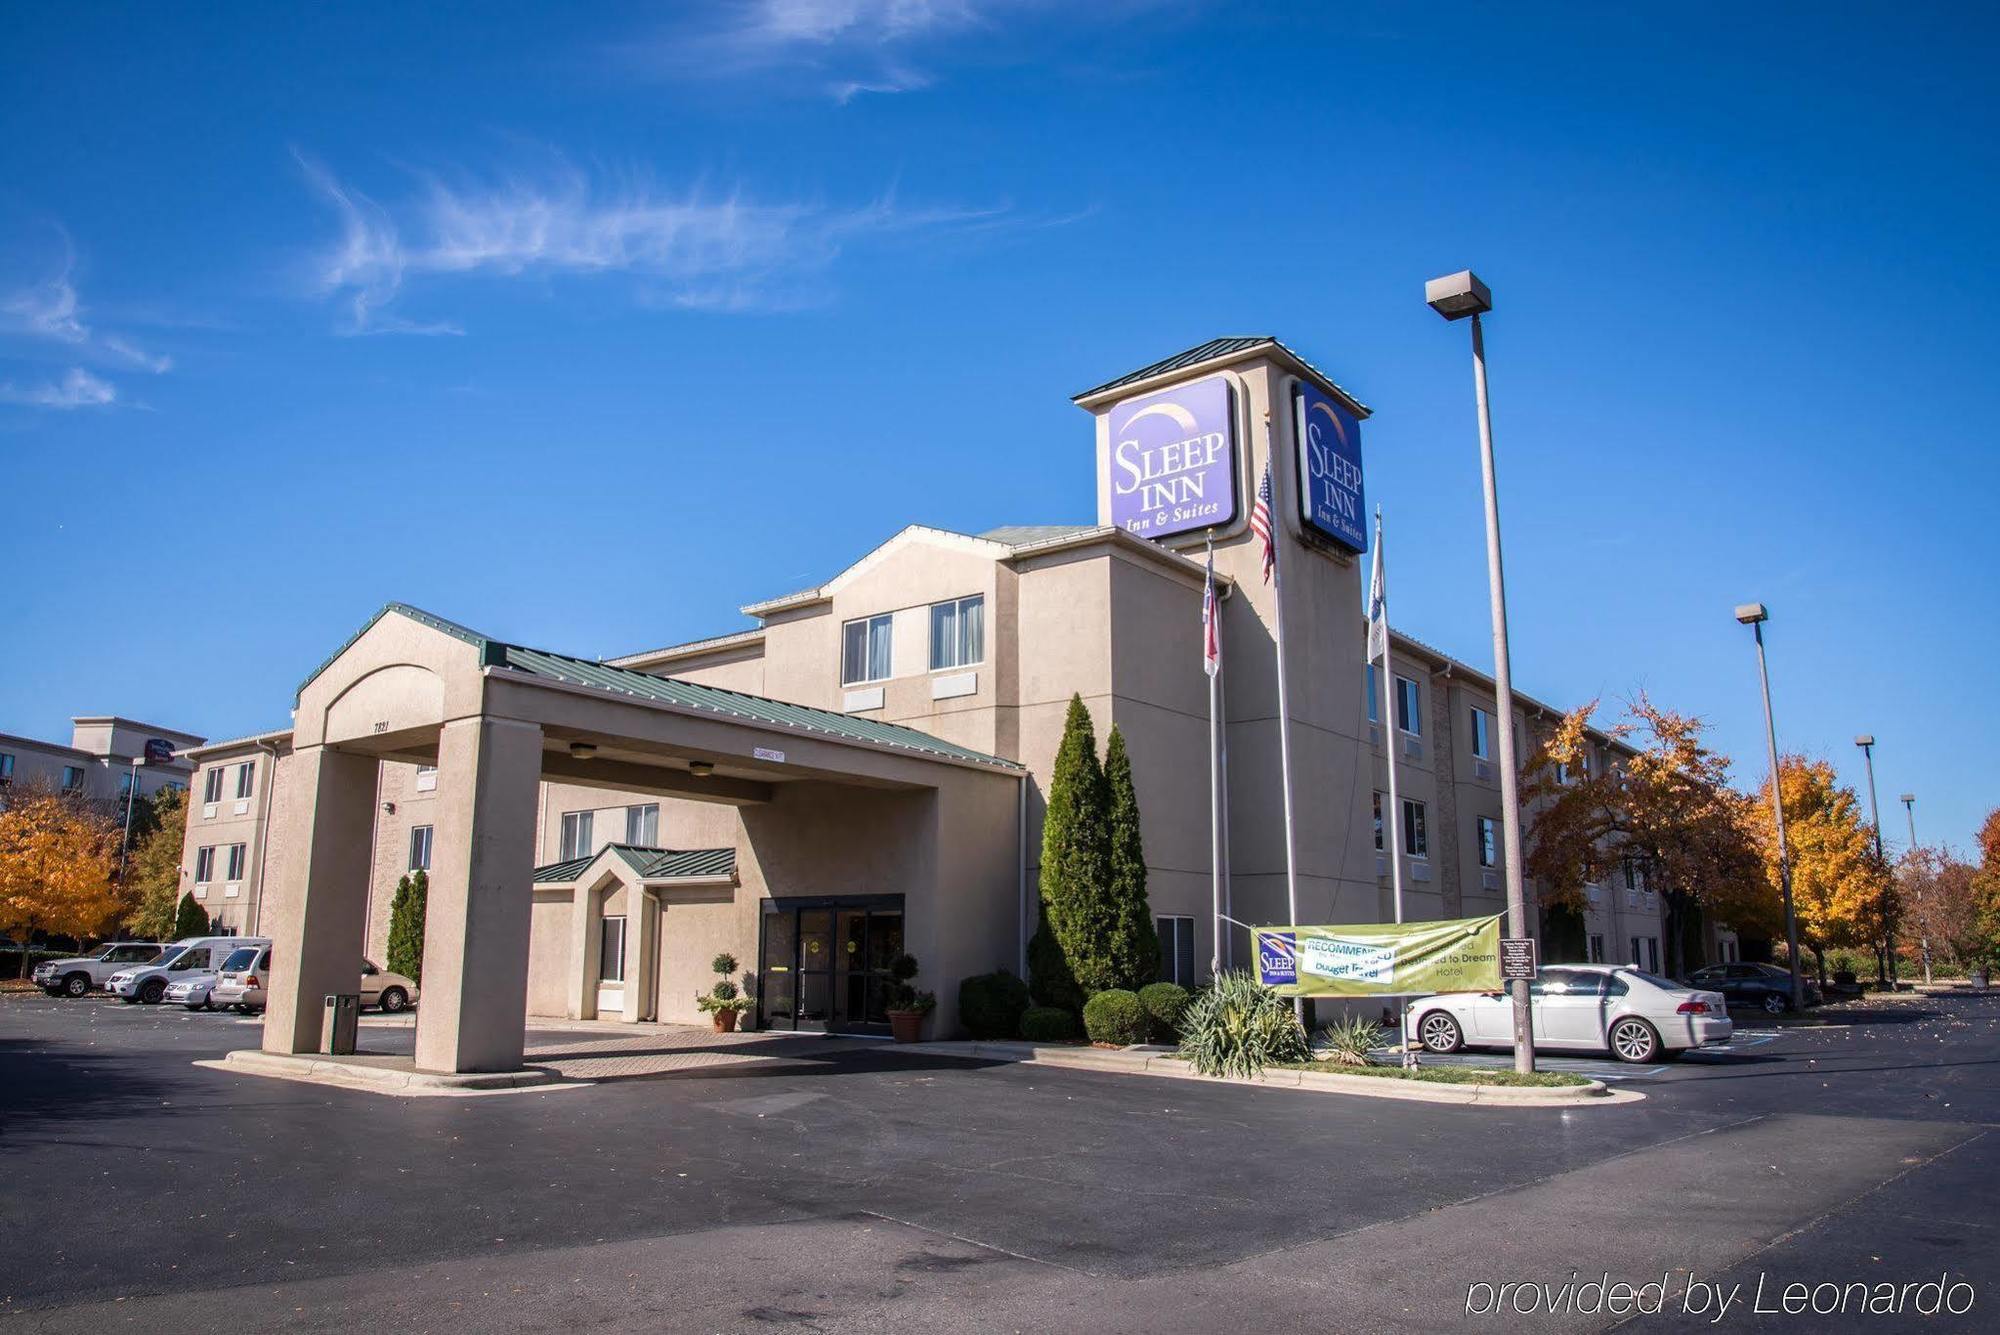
x,y
211,785
642,825
1416,839
239,858
245,775
576,834
958,632
864,650
1489,841
420,847
1482,733
611,951
1408,716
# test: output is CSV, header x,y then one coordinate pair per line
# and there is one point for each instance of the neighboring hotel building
x,y
863,770
98,762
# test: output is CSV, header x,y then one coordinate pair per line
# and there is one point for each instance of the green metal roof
x,y
1212,350
1020,535
715,700
650,864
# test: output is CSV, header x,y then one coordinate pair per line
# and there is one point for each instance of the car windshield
x,y
240,959
1665,985
172,956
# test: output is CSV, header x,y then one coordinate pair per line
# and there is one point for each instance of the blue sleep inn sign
x,y
1331,499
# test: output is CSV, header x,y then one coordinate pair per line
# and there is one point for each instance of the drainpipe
x,y
264,837
1021,870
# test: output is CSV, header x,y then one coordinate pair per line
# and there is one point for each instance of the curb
x,y
1127,1061
307,1068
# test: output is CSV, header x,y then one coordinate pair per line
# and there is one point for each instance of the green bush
x,y
990,1004
1115,1016
191,919
1237,1026
406,925
1164,1004
1348,1041
1047,1024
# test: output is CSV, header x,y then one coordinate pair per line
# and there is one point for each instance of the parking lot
x,y
833,1184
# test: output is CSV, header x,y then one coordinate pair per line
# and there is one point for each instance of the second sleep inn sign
x,y
1173,460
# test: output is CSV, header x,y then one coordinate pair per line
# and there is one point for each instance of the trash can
x,y
343,1018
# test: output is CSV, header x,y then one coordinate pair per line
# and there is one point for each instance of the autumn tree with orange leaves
x,y
57,855
1669,806
1840,885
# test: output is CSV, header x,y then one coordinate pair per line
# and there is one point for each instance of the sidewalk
x,y
1159,1061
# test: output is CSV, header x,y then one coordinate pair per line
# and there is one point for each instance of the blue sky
x,y
586,325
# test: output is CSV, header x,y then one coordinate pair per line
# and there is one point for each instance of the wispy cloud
x,y
693,249
78,389
838,48
50,311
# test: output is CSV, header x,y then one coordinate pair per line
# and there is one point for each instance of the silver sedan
x,y
1635,1015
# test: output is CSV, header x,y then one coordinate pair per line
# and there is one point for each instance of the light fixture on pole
x,y
1456,296
1909,801
1885,968
131,795
1754,615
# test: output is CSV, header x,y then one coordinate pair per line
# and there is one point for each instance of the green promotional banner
x,y
1381,959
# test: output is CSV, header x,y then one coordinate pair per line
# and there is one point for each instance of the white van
x,y
147,983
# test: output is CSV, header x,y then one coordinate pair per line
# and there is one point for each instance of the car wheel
x,y
76,985
1438,1032
394,999
195,1005
1633,1040
153,991
1776,1003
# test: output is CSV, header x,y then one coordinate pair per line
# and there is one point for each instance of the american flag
x,y
1211,635
1260,523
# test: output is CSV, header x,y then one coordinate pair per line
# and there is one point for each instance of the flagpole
x,y
1386,698
1284,712
1212,664
1222,750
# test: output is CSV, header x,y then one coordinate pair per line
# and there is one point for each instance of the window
x,y
240,959
642,825
1631,869
611,951
864,650
420,847
245,773
1487,831
958,633
6,767
1378,821
72,778
1416,841
125,783
576,834
427,778
238,856
1482,733
204,864
1176,950
1409,717
1653,955
211,785
1597,947
1374,711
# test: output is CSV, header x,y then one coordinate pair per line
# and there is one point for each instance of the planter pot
x,y
725,1022
907,1026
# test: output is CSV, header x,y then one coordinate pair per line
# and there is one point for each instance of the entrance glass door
x,y
826,964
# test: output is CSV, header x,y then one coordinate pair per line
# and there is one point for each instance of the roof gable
x,y
1224,349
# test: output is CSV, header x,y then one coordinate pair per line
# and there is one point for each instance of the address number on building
x,y
1518,958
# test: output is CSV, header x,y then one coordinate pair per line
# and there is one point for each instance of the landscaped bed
x,y
1445,1075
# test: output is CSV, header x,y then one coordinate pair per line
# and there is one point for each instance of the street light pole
x,y
1456,296
1885,965
1909,801
131,794
1754,616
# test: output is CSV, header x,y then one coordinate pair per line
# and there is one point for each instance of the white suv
x,y
80,976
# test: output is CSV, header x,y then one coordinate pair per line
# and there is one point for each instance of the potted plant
x,y
725,1001
907,1006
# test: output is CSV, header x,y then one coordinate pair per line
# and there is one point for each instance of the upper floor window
x,y
1409,714
576,834
642,825
427,778
239,857
1416,839
6,767
245,774
420,847
1482,733
72,778
864,650
125,782
958,632
1488,831
1378,821
204,864
211,785
1374,709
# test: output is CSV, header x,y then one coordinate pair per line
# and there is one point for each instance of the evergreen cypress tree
x,y
406,926
1063,959
1133,949
190,919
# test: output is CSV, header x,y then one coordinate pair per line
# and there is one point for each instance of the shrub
x,y
1164,1004
1237,1026
1115,1016
191,919
725,995
1348,1041
406,925
1063,959
1047,1024
990,1004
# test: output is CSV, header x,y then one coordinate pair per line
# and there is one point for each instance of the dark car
x,y
1764,986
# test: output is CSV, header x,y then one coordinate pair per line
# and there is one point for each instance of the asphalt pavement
x,y
842,1186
